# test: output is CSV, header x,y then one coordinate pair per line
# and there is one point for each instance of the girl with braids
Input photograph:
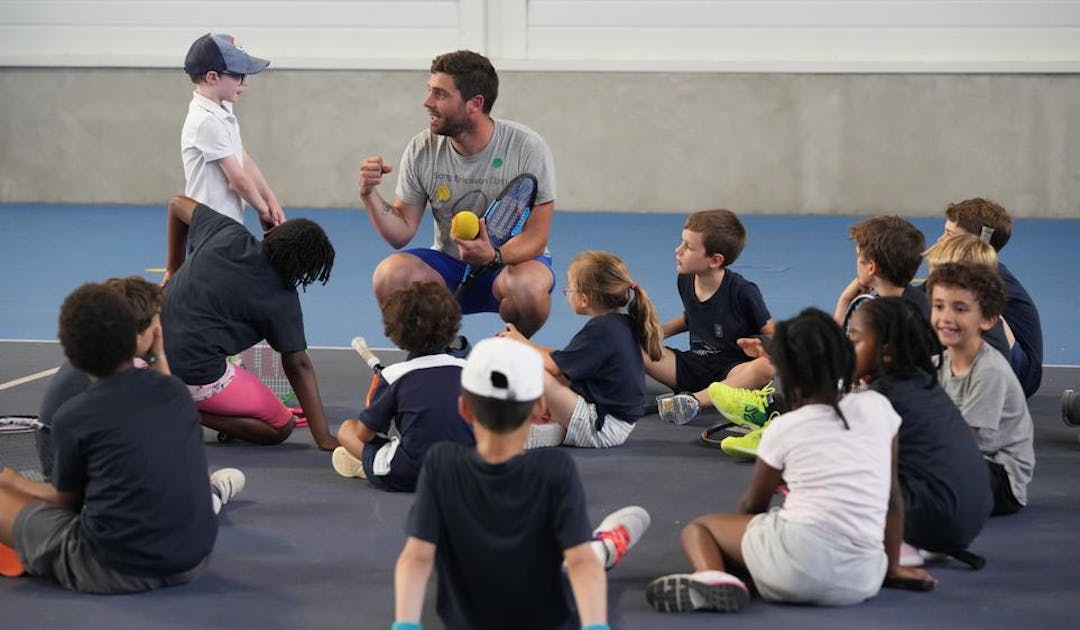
x,y
233,292
594,388
941,492
834,450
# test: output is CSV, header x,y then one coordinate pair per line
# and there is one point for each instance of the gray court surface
x,y
304,548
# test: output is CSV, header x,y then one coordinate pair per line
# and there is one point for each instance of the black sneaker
x,y
1070,407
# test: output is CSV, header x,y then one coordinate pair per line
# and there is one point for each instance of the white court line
x,y
29,378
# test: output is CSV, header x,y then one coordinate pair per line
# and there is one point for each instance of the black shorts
x,y
1004,500
694,372
401,478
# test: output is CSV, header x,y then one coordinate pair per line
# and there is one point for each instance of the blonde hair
x,y
961,248
605,278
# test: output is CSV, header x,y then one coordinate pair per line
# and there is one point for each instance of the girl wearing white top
x,y
835,451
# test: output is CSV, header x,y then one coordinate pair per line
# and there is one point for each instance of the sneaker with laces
x,y
677,408
745,447
748,407
704,590
347,465
224,485
619,531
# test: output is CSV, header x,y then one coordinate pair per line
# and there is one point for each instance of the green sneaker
x,y
747,407
745,447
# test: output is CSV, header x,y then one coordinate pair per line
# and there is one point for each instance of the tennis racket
x,y
18,445
713,436
265,363
505,218
360,345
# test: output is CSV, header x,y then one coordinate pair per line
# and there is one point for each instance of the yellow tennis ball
x,y
465,225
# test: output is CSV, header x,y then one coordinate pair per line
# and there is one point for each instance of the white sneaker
x,y
224,485
677,408
619,531
910,556
704,590
347,465
545,435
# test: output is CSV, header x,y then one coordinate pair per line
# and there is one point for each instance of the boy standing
x,y
129,509
502,521
989,221
888,252
965,300
719,308
418,396
217,169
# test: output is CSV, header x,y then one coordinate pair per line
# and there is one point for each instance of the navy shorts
x,y
695,372
478,297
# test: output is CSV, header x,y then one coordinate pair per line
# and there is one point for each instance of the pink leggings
x,y
247,397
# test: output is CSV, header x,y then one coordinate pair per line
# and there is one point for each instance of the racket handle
x,y
360,345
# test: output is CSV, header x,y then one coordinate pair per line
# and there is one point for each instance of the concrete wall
x,y
756,143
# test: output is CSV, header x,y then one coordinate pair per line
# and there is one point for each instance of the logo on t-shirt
x,y
718,331
442,193
497,162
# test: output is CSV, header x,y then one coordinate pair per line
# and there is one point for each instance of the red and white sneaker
x,y
704,590
619,531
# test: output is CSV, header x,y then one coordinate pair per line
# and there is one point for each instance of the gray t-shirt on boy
x,y
433,172
993,402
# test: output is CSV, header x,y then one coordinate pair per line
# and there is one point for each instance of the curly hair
x,y
984,282
814,360
300,252
97,329
472,73
143,297
722,233
972,215
906,344
893,244
423,317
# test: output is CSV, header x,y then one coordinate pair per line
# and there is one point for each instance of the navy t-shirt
x,y
132,446
1023,319
225,298
420,396
605,367
500,531
67,383
736,310
945,481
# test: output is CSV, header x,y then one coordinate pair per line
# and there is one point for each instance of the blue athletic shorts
x,y
478,297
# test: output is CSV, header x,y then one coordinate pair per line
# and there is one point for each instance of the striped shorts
x,y
581,430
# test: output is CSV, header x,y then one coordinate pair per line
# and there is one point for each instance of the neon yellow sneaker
x,y
746,446
742,406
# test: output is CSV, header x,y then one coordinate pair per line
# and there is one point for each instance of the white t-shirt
x,y
211,132
838,479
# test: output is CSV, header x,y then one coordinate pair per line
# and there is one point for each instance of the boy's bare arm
x,y
589,583
396,223
277,214
244,185
38,490
850,292
301,374
675,326
411,577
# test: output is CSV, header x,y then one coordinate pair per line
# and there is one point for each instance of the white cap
x,y
504,369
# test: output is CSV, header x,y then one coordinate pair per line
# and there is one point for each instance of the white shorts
x,y
799,563
581,430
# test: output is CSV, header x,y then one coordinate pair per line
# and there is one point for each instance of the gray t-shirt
x,y
992,401
433,172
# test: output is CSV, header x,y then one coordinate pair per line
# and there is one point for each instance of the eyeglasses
x,y
240,78
569,290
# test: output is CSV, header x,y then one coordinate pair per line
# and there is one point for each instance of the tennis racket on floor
x,y
714,435
265,363
505,218
18,445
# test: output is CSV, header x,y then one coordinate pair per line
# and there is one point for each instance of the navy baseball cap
x,y
220,53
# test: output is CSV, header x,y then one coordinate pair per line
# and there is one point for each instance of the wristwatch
x,y
497,260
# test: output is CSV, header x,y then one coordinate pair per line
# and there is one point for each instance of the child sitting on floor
x,y
941,498
418,396
595,386
834,451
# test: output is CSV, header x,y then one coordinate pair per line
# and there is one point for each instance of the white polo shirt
x,y
211,132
